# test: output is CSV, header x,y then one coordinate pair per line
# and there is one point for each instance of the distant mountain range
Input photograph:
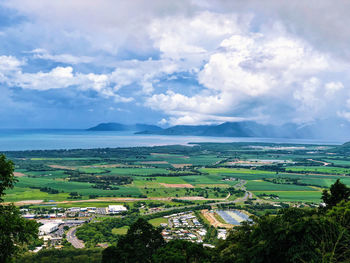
x,y
112,126
327,129
232,129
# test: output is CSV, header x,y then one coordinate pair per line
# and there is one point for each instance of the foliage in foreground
x,y
15,231
294,235
62,256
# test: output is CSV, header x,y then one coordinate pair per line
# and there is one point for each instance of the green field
x,y
201,171
157,221
120,230
294,196
319,169
267,186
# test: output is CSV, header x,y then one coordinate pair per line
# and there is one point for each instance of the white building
x,y
222,234
116,209
48,228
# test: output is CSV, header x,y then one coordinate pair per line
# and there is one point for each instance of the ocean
x,y
44,139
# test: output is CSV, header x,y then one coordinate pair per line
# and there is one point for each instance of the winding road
x,y
72,238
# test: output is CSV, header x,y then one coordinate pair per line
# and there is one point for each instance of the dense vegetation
x,y
15,231
69,255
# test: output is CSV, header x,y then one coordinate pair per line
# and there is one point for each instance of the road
x,y
72,238
247,195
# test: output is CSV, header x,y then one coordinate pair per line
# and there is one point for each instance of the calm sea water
x,y
13,140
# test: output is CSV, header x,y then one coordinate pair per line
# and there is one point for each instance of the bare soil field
x,y
28,202
213,221
177,185
18,174
181,165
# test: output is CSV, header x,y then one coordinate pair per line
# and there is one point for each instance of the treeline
x,y
287,180
236,192
102,180
48,190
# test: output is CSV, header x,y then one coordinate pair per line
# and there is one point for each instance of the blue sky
x,y
73,64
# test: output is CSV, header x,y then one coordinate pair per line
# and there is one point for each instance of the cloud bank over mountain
x,y
77,63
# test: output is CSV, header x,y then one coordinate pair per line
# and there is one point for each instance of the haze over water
x,y
16,140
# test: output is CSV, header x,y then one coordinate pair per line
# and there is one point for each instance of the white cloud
x,y
193,37
10,63
247,74
64,58
333,87
59,78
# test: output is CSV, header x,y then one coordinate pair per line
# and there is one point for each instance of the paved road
x,y
72,238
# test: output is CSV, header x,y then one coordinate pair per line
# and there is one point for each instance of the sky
x,y
76,63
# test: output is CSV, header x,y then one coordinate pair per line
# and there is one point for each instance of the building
x,y
116,209
48,228
29,216
74,209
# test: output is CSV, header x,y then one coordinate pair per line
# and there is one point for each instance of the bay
x,y
45,139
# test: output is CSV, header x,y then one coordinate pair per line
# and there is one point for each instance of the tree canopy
x,y
137,246
337,192
15,231
7,179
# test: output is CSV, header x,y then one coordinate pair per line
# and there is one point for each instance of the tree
x,y
337,193
137,246
7,179
293,235
180,251
15,231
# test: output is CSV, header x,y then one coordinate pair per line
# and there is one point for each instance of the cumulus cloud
x,y
256,70
194,62
57,78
